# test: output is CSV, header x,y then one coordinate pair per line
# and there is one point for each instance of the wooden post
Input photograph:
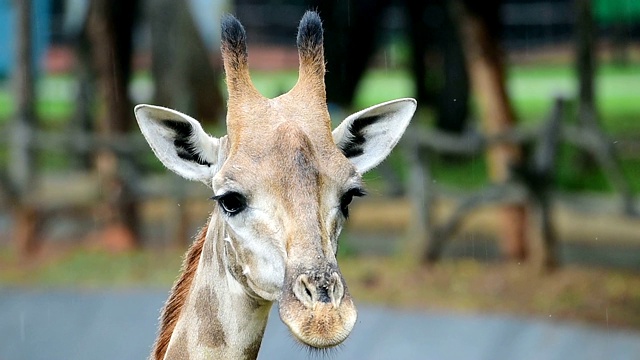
x,y
604,151
486,71
541,178
22,155
422,198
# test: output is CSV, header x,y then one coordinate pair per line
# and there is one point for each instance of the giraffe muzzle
x,y
317,308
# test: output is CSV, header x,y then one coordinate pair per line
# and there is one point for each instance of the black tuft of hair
x,y
234,37
310,31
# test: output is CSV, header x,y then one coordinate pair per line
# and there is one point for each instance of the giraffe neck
x,y
217,319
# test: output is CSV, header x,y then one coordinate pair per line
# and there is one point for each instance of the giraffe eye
x,y
231,203
347,197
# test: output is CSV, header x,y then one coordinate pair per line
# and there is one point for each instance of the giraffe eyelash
x,y
232,203
347,197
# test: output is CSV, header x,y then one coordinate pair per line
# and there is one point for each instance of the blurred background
x,y
512,193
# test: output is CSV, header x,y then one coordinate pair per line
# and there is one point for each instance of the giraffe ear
x,y
368,136
179,142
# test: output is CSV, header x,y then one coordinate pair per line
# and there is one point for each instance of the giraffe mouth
x,y
323,326
318,309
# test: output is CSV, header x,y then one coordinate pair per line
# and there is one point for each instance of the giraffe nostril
x,y
310,290
337,292
304,290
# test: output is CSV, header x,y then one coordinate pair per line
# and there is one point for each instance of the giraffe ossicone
x,y
282,181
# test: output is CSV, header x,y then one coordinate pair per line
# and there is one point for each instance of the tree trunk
x,y
181,64
109,28
486,71
585,56
185,80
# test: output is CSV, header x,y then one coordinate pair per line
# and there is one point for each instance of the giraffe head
x,y
283,181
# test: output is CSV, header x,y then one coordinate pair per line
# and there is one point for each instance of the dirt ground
x,y
598,282
605,297
602,296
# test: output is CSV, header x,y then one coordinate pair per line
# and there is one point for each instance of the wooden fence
x,y
532,183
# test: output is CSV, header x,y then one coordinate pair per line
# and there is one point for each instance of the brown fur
x,y
312,69
179,293
211,333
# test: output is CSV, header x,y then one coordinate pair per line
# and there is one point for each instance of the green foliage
x,y
616,11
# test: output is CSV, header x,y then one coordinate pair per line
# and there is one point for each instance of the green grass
x,y
531,87
92,269
617,97
383,85
532,90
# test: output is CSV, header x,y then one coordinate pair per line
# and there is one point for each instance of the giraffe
x,y
283,182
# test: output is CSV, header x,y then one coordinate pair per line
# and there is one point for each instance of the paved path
x,y
95,325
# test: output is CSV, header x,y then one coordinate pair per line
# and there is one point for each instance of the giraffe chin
x,y
322,326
